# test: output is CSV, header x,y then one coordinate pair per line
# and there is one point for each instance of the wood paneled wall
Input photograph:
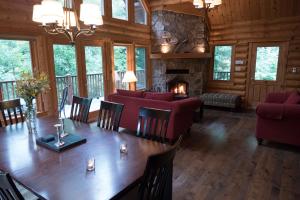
x,y
242,35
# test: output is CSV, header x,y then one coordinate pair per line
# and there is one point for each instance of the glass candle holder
x,y
59,143
63,133
123,148
90,164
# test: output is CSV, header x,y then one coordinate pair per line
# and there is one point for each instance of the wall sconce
x,y
168,42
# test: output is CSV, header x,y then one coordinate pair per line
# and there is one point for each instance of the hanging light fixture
x,y
206,3
56,18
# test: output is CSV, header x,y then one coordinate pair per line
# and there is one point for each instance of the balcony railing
x,y
94,83
224,76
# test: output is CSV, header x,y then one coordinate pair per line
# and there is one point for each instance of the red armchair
x,y
278,118
181,118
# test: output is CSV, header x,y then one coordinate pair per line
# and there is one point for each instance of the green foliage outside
x,y
97,2
222,62
64,60
266,63
15,58
93,60
120,58
120,9
140,58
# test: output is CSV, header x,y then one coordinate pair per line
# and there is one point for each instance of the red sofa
x,y
278,118
181,118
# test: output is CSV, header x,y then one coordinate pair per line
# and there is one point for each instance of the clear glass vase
x,y
30,116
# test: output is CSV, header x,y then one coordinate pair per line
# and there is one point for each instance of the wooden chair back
x,y
80,109
153,124
110,115
8,189
10,111
157,179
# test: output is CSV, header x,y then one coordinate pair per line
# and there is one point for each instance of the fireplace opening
x,y
179,87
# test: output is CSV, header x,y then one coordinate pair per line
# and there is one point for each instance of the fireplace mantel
x,y
180,55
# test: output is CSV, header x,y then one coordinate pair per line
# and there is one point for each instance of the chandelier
x,y
56,18
206,3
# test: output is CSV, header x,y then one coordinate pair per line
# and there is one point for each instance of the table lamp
x,y
129,77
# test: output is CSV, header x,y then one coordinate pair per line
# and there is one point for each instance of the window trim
x,y
146,13
211,77
146,62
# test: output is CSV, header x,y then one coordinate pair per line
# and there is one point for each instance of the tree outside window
x,y
120,9
222,63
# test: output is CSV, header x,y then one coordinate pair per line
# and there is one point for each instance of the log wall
x,y
242,35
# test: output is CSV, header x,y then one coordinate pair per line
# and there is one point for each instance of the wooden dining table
x,y
63,175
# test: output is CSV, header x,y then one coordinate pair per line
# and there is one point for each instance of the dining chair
x,y
156,182
153,124
11,112
80,109
11,190
110,115
63,101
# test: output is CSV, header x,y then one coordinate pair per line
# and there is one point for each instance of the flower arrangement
x,y
29,87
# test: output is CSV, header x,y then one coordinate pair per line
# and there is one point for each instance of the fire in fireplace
x,y
179,87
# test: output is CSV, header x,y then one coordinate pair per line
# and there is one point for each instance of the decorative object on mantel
x,y
63,19
208,4
180,56
28,88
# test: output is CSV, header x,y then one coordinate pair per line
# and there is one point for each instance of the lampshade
x,y
129,77
217,2
198,3
90,14
50,11
37,13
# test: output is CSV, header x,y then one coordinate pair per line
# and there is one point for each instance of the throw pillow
x,y
167,96
294,98
129,93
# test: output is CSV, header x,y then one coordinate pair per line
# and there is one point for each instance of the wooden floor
x,y
221,160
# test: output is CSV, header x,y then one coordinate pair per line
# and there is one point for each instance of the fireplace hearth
x,y
179,87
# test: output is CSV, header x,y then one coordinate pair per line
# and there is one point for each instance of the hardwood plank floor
x,y
221,160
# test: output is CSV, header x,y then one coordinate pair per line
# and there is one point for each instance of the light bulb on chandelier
x,y
206,3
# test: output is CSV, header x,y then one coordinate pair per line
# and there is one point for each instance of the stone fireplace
x,y
183,76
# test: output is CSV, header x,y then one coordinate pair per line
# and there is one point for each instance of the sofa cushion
x,y
294,98
167,96
129,93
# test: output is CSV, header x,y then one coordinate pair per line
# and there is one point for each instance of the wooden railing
x,y
94,83
222,76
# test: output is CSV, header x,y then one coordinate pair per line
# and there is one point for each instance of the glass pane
x,y
120,61
98,2
120,9
66,73
222,62
266,63
15,58
140,59
140,13
94,75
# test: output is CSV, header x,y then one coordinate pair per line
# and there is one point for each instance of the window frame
x,y
129,11
146,13
231,65
146,62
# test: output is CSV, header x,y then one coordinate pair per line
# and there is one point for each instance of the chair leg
x,y
259,141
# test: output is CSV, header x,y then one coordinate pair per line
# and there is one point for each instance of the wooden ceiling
x,y
232,11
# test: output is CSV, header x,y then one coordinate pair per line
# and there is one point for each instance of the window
x,y
120,9
15,58
140,13
98,2
222,63
120,62
266,63
94,75
65,72
140,64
